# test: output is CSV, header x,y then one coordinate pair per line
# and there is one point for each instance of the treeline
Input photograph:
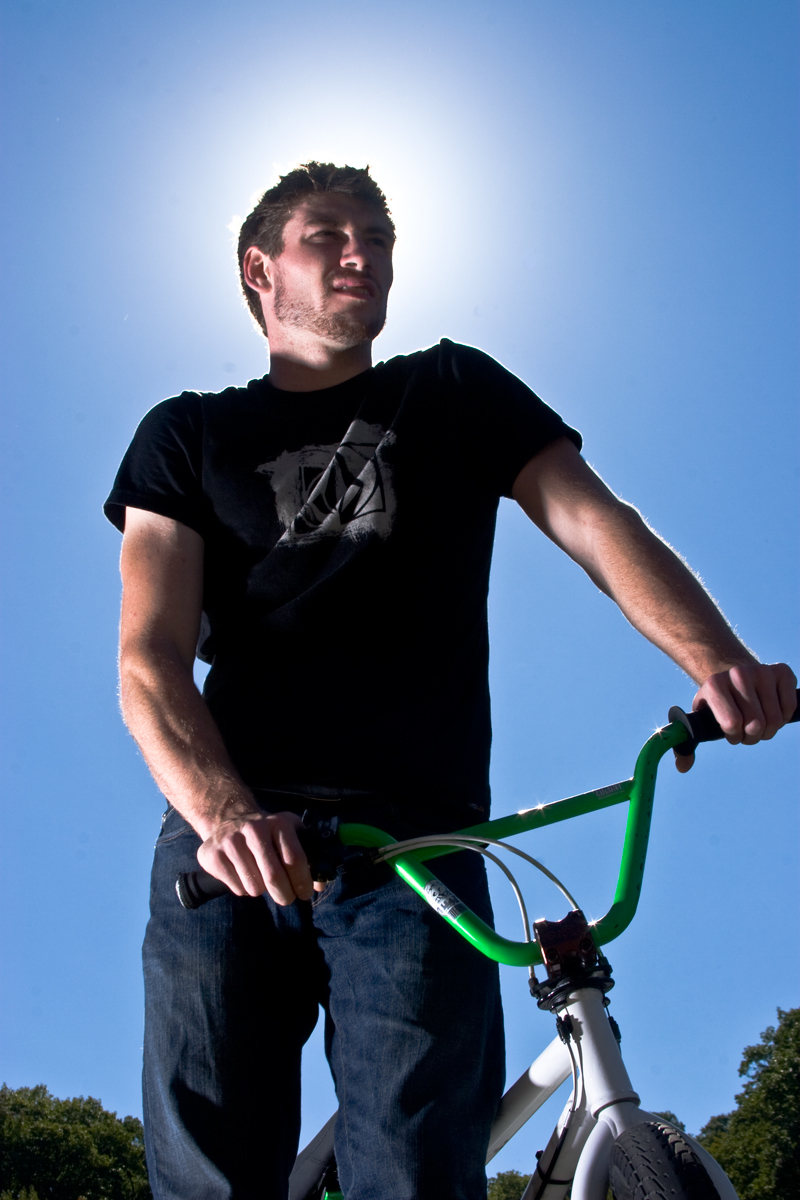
x,y
758,1144
54,1149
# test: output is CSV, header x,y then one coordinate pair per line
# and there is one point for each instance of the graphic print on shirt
x,y
344,489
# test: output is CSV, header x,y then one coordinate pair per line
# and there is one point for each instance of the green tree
x,y
507,1185
671,1119
758,1144
53,1149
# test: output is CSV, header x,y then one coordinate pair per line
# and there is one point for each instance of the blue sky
x,y
600,193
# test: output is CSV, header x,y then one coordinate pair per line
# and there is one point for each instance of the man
x,y
327,533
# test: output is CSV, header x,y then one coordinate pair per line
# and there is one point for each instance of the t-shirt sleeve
x,y
509,421
162,468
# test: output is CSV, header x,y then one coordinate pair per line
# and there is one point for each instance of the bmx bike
x,y
603,1139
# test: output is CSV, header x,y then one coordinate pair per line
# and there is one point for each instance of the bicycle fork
x,y
603,1105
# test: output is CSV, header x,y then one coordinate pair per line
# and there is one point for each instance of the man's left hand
x,y
750,701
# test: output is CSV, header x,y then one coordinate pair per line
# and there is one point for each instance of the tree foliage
x,y
671,1119
507,1185
758,1144
53,1149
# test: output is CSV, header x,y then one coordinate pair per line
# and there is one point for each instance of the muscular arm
x,y
162,573
656,591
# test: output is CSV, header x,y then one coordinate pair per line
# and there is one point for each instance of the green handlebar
x,y
639,791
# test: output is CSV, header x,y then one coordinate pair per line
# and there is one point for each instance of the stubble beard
x,y
343,329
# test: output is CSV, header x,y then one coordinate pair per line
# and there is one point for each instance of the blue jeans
x,y
413,1035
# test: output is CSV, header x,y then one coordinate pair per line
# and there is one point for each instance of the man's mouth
x,y
363,288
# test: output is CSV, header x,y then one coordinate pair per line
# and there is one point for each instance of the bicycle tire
x,y
653,1161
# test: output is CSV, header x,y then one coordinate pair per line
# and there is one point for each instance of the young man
x,y
326,532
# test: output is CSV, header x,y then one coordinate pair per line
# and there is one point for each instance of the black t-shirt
x,y
348,537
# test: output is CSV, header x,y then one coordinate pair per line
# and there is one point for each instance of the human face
x,y
333,276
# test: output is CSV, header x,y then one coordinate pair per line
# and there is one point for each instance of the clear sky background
x,y
600,193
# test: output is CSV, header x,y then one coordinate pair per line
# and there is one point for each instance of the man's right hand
x,y
258,852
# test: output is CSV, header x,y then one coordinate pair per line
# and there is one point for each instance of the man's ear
x,y
257,270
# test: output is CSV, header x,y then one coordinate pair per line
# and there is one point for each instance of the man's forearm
x,y
652,586
179,739
659,594
249,850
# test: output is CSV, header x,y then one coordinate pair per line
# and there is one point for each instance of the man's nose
x,y
356,253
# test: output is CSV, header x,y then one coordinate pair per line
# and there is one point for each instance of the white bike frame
x,y
604,1107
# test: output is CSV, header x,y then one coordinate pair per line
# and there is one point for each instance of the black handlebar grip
x,y
702,726
197,887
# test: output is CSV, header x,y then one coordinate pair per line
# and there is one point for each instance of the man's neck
x,y
293,370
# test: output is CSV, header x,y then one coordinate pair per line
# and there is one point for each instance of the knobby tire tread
x,y
653,1161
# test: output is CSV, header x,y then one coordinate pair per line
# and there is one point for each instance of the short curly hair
x,y
265,225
